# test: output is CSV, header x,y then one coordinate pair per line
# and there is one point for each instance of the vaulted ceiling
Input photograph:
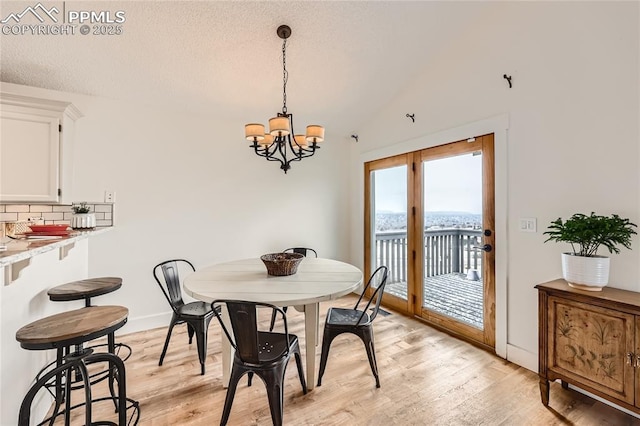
x,y
345,59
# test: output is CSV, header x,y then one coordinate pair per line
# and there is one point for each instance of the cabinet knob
x,y
631,360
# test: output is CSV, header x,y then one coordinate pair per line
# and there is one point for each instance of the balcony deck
x,y
450,294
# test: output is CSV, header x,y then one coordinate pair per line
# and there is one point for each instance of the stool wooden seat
x,y
84,289
72,327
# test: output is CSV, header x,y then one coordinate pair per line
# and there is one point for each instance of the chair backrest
x,y
167,275
301,250
377,281
244,323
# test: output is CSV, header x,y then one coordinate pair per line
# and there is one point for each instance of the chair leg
x,y
231,393
201,340
273,318
274,381
303,381
367,339
166,342
327,338
191,332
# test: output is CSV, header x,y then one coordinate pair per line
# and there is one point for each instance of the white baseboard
x,y
523,358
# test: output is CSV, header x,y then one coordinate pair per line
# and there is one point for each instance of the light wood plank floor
x,y
427,378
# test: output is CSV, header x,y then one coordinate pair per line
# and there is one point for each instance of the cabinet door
x,y
589,344
29,157
637,360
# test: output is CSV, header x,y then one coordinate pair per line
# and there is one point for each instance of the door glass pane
x,y
389,208
452,226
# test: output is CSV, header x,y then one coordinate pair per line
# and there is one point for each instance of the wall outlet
x,y
109,196
528,224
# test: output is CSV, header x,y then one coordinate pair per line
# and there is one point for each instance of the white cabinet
x,y
36,148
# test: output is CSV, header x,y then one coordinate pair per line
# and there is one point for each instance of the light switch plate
x,y
528,224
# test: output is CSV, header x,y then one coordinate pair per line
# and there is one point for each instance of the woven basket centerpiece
x,y
280,264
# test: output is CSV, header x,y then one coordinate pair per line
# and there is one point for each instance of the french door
x,y
429,217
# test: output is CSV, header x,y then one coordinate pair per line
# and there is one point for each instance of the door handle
x,y
486,247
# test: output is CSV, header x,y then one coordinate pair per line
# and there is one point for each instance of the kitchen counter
x,y
18,250
28,270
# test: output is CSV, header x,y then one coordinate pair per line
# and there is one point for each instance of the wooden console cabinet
x,y
590,340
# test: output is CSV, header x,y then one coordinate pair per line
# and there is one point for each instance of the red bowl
x,y
48,228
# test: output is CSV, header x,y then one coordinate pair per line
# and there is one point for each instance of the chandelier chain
x,y
285,76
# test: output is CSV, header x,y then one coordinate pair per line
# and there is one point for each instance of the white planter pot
x,y
585,273
83,221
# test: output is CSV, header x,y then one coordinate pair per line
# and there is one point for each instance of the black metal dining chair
x,y
197,315
355,321
265,354
305,251
301,250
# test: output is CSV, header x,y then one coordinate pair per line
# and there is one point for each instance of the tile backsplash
x,y
52,214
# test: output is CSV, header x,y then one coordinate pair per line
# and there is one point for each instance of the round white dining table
x,y
317,280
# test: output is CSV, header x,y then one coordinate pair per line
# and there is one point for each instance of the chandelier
x,y
281,143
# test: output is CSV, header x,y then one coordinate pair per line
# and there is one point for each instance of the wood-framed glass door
x,y
387,183
440,247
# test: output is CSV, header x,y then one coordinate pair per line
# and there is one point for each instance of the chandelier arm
x,y
292,140
257,149
275,159
302,153
262,152
282,147
272,149
310,150
271,155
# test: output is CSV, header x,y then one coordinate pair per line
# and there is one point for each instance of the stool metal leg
x,y
64,369
111,346
79,362
58,385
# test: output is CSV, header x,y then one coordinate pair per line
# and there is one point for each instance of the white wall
x,y
189,186
573,130
22,301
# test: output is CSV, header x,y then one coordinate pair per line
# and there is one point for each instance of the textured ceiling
x,y
346,60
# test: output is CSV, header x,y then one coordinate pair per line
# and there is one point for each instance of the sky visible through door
x,y
458,190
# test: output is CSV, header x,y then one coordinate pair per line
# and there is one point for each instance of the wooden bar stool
x,y
84,289
73,328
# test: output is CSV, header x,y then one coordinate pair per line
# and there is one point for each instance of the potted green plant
x,y
82,218
583,268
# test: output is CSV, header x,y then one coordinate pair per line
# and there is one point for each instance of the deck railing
x,y
445,251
